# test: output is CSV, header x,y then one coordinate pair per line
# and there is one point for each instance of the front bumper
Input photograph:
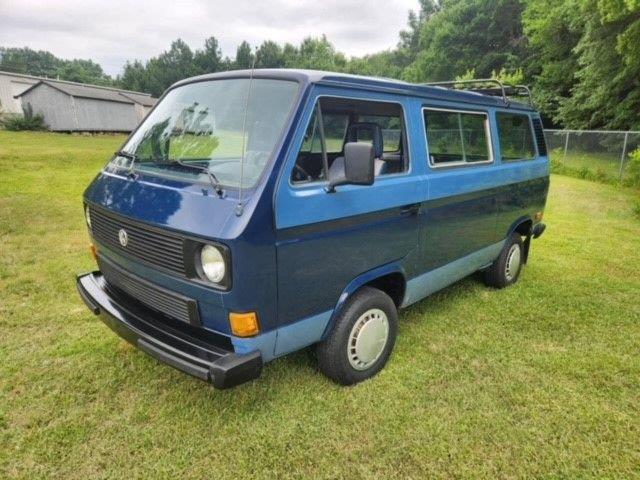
x,y
180,349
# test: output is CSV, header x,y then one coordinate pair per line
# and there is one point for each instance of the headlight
x,y
212,262
87,215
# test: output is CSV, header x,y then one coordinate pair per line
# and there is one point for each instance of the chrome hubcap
x,y
513,262
368,338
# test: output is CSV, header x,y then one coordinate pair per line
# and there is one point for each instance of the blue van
x,y
256,213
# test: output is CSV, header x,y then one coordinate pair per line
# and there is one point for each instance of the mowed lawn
x,y
602,164
540,380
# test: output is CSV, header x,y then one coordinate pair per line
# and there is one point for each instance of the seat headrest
x,y
374,134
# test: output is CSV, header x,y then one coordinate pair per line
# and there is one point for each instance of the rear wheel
x,y
362,338
505,270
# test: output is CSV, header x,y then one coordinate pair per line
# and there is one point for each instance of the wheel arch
x,y
523,226
390,279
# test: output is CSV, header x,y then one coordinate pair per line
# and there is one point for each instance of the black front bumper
x,y
176,347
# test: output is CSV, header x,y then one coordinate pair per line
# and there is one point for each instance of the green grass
x,y
600,167
540,380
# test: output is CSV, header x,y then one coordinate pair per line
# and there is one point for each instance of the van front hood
x,y
192,208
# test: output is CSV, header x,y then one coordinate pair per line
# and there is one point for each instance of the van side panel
x,y
471,208
316,262
524,194
460,215
325,240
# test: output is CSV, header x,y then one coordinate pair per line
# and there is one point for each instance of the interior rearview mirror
x,y
355,168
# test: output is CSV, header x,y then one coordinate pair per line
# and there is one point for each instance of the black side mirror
x,y
357,168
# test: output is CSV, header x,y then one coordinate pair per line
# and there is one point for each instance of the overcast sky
x,y
111,31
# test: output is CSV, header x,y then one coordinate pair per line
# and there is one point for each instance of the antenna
x,y
239,207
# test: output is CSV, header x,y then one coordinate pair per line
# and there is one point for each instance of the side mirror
x,y
356,169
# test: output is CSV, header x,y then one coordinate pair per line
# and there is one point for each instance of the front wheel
x,y
362,339
505,270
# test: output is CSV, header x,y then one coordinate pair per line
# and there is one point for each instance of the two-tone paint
x,y
298,252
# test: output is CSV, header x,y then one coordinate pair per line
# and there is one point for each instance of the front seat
x,y
355,131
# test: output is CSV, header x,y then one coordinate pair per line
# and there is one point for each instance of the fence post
x,y
566,147
624,154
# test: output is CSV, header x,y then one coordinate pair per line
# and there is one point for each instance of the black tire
x,y
501,273
334,358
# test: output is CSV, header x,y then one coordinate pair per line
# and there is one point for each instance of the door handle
x,y
411,209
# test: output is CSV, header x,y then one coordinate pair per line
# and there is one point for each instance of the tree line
x,y
582,57
45,64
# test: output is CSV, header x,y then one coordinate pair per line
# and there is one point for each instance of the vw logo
x,y
123,237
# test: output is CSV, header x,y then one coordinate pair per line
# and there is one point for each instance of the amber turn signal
x,y
244,324
538,216
94,251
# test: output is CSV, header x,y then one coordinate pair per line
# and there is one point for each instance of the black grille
x,y
152,246
542,145
154,297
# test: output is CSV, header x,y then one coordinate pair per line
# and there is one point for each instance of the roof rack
x,y
482,86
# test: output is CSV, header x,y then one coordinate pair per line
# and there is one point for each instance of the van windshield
x,y
202,124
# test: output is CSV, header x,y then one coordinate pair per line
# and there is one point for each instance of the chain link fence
x,y
595,153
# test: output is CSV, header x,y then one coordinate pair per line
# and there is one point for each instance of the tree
x,y
209,59
270,55
29,62
44,64
409,44
83,71
485,35
607,88
134,77
319,54
553,30
170,66
586,61
290,55
382,64
244,56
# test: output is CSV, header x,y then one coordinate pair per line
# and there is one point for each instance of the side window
x,y
391,131
516,139
351,120
335,127
456,138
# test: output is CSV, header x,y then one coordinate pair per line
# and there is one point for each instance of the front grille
x,y
154,297
150,245
542,145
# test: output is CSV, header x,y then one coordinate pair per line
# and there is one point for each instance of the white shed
x,y
70,106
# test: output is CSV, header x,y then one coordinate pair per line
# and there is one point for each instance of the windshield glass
x,y
202,124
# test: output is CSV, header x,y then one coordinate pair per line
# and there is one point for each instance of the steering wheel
x,y
301,170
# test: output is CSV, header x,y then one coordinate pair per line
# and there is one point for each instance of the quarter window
x,y
516,139
456,138
335,126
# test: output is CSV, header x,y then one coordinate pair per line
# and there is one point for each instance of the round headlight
x,y
212,262
87,215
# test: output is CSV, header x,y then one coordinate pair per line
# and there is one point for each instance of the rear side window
x,y
457,138
516,139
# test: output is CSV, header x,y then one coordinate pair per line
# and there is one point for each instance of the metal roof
x,y
140,98
83,90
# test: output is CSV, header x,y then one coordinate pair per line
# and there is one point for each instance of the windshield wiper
x,y
130,156
215,183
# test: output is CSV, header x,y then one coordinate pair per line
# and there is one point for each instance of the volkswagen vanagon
x,y
253,214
